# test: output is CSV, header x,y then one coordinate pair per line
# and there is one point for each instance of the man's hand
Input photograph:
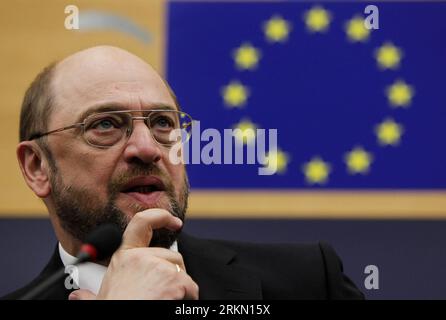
x,y
140,272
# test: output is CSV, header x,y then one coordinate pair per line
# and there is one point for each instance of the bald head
x,y
95,67
97,75
100,58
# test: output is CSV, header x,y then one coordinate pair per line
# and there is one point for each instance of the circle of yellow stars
x,y
317,19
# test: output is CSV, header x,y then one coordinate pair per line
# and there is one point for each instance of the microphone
x,y
100,244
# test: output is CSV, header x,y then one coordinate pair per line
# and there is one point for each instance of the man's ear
x,y
34,168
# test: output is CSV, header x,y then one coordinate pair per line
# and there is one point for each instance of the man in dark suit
x,y
96,145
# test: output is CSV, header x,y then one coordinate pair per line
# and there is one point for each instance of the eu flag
x,y
357,106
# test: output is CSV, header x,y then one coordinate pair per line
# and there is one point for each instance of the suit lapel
x,y
214,268
58,290
55,292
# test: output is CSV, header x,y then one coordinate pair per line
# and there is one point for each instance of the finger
x,y
140,228
82,294
166,254
191,289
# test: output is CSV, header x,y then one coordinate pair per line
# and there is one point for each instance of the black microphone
x,y
100,244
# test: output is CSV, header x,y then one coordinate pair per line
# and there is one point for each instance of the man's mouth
x,y
146,190
143,189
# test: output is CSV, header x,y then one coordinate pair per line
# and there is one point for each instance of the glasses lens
x,y
170,127
106,129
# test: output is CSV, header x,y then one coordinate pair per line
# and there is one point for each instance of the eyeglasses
x,y
106,129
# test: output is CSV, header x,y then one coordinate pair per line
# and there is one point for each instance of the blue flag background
x,y
328,90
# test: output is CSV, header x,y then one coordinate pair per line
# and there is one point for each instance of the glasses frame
x,y
129,130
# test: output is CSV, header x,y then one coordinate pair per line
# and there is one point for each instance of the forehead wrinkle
x,y
123,95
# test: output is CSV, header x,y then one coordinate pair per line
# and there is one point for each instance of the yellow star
x,y
276,29
356,30
316,171
389,132
388,56
246,56
279,160
317,19
246,133
400,94
235,94
358,161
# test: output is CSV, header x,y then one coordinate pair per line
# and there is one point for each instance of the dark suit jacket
x,y
236,270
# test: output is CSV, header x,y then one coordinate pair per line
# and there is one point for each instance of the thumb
x,y
82,295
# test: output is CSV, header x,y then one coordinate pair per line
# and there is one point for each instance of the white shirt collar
x,y
90,275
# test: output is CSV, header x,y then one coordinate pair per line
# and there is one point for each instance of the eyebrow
x,y
119,107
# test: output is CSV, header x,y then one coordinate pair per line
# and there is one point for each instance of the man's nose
x,y
141,145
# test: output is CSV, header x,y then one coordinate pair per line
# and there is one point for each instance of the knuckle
x,y
196,288
193,286
139,217
178,257
162,267
178,293
116,258
173,293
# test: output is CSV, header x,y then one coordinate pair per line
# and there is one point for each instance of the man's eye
x,y
104,124
162,123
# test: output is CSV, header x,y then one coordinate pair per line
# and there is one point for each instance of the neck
x,y
70,244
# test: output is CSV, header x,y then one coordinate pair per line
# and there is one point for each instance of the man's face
x,y
90,185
